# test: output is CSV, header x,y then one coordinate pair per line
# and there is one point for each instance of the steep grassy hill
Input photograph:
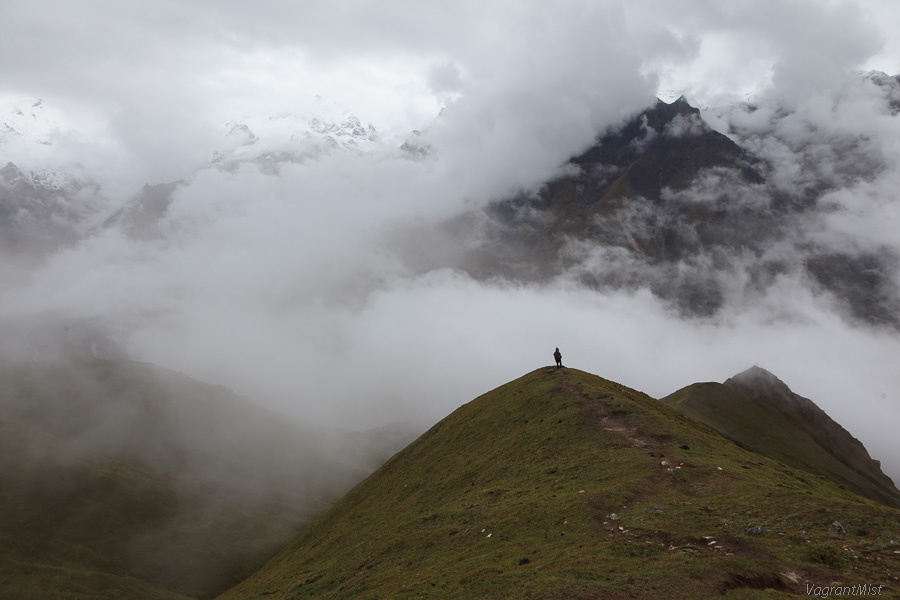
x,y
561,484
120,479
759,412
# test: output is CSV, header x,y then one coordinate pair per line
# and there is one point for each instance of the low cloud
x,y
304,287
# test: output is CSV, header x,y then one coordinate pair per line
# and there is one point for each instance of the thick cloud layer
x,y
286,284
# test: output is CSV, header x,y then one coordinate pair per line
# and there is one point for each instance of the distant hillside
x,y
120,479
759,412
561,484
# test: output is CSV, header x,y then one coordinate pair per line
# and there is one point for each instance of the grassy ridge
x,y
794,432
561,484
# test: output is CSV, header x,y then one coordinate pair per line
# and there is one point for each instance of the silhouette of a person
x,y
558,356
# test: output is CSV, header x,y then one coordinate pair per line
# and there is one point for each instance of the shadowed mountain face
x,y
561,484
666,146
668,203
120,479
139,218
759,412
41,212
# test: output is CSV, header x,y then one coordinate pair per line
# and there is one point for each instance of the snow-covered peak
x,y
238,135
68,179
349,129
291,137
71,177
32,137
27,121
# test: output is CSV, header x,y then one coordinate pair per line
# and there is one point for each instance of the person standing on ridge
x,y
558,356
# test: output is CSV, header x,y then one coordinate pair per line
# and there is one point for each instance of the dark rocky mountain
x,y
666,201
666,146
759,412
891,87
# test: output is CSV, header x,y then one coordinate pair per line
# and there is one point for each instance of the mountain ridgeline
x,y
562,484
758,411
703,218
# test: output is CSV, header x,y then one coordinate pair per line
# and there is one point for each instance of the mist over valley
x,y
239,272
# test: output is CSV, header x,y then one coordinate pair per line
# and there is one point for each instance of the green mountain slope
x,y
120,479
760,412
68,520
561,484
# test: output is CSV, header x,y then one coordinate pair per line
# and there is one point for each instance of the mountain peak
x,y
663,112
759,412
10,169
681,103
14,179
890,84
757,380
291,137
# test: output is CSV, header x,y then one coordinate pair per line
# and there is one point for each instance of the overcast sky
x,y
168,73
278,287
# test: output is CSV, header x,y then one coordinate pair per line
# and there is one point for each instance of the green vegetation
x,y
762,414
123,480
561,484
